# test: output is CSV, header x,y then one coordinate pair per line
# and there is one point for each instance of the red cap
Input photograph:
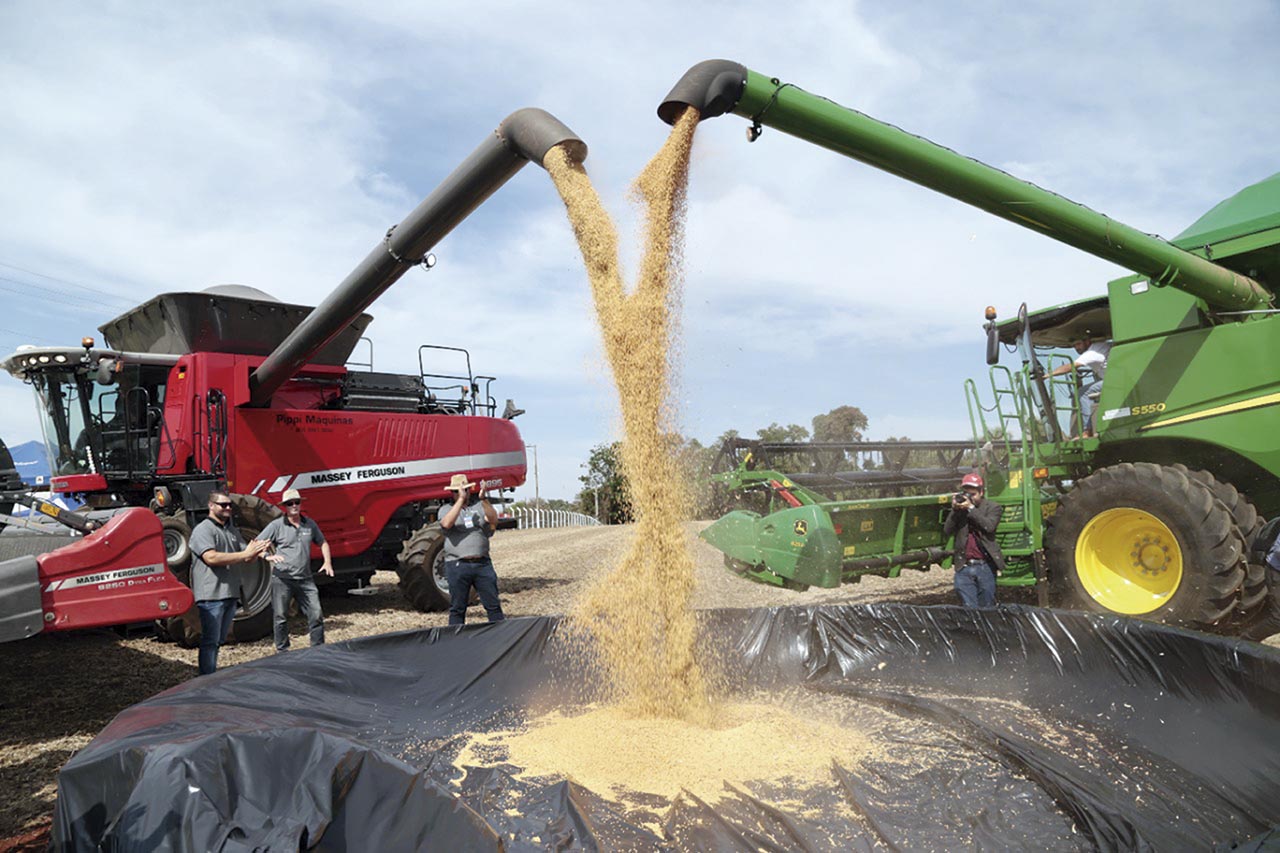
x,y
972,480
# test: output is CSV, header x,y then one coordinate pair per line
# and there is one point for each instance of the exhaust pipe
x,y
525,135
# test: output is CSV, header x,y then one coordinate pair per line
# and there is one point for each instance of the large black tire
x,y
10,480
1146,540
253,617
177,550
420,565
177,542
1265,621
1253,590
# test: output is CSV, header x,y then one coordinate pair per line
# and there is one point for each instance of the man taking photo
x,y
977,558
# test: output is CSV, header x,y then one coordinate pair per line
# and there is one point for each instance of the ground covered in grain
x,y
58,691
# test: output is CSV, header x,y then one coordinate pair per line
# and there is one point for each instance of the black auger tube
x,y
924,557
714,87
524,135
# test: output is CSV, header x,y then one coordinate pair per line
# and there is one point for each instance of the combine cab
x,y
1156,515
229,388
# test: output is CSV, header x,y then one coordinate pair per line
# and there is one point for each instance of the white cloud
x,y
153,147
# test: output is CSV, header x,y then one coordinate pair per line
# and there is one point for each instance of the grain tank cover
x,y
1255,208
224,318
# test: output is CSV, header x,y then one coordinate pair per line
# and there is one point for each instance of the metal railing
x,y
531,517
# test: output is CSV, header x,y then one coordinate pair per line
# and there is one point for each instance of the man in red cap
x,y
977,558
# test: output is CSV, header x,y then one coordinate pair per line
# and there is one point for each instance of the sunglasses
x,y
292,503
223,504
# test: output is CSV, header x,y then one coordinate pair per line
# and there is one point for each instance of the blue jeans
x,y
976,584
462,576
215,624
308,597
1089,405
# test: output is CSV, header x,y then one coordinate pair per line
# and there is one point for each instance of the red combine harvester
x,y
229,387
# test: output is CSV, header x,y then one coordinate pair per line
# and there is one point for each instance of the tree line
x,y
604,489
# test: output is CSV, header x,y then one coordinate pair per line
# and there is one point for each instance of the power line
x,y
27,336
69,300
94,290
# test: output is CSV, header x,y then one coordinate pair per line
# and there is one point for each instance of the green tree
x,y
604,482
776,432
843,423
785,463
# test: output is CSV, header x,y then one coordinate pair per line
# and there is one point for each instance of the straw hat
x,y
459,481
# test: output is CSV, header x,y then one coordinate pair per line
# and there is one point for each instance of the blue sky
x,y
150,147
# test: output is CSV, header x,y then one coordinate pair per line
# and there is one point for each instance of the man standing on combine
x,y
468,526
1092,357
291,537
977,558
216,549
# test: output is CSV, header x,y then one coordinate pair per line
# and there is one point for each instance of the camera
x,y
960,497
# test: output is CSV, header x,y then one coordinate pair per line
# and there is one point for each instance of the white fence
x,y
530,517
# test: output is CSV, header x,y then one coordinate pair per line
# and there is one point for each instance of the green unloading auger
x,y
718,86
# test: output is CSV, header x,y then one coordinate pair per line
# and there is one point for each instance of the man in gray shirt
x,y
468,525
291,538
216,549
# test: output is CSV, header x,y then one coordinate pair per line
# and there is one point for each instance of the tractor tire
x,y
176,533
420,565
9,479
1253,591
177,542
1146,540
253,617
1265,621
183,629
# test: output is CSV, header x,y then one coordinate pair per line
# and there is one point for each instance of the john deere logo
x,y
801,527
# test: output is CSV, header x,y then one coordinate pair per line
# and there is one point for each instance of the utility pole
x,y
537,500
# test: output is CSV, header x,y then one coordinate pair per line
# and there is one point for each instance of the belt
x,y
472,559
976,563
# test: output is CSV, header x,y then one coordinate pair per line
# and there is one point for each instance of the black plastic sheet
x,y
1045,730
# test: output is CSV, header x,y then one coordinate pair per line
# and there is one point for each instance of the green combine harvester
x,y
1159,514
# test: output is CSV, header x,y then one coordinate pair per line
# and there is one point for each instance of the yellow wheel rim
x,y
1129,561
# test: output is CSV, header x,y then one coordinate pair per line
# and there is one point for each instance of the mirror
x,y
106,371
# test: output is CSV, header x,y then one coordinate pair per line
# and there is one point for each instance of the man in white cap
x,y
977,558
468,525
291,537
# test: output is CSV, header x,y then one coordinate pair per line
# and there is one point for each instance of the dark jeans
x,y
462,576
308,598
215,624
976,584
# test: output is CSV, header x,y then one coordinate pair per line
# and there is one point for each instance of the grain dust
x,y
638,618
